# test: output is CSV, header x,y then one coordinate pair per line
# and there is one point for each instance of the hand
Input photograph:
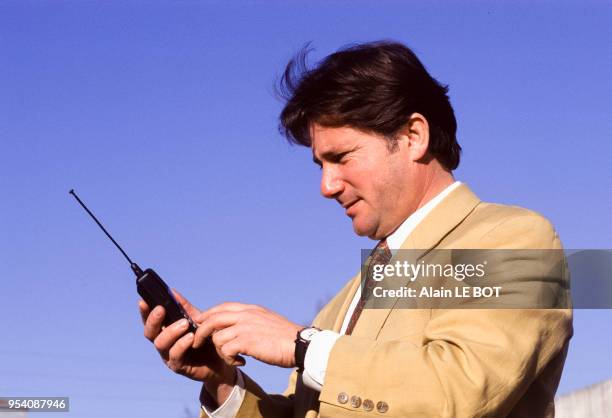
x,y
238,328
173,345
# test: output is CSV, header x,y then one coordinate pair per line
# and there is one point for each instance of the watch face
x,y
308,333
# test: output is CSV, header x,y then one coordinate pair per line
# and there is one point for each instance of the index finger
x,y
191,310
225,307
144,310
215,322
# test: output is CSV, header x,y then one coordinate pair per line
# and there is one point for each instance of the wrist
x,y
302,341
216,390
225,377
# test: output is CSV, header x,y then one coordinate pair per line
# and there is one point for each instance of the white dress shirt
x,y
321,344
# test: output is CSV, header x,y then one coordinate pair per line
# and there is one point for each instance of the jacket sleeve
x,y
257,403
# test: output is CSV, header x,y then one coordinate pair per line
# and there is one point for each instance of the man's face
x,y
377,187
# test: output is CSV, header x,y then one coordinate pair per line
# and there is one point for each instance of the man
x,y
383,132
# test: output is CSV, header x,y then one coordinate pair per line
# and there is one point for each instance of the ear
x,y
414,136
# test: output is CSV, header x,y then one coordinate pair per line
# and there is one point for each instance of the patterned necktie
x,y
380,255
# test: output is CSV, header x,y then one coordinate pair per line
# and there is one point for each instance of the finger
x,y
200,337
178,350
232,351
227,307
144,310
153,323
191,310
222,337
168,337
217,321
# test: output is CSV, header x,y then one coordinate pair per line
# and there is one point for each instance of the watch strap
x,y
301,346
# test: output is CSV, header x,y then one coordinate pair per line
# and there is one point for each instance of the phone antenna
x,y
133,265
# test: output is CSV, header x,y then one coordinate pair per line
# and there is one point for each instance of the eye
x,y
340,157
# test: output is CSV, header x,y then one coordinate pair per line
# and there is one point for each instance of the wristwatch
x,y
302,340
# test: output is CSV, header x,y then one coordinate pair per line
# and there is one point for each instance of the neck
x,y
439,180
435,182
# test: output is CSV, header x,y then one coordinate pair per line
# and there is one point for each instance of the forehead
x,y
328,139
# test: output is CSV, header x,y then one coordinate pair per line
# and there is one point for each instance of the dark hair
x,y
373,87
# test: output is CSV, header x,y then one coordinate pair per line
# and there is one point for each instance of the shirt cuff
x,y
317,355
232,404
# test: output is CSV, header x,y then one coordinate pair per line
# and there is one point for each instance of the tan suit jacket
x,y
440,362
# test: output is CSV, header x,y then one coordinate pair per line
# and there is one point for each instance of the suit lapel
x,y
442,219
354,285
333,314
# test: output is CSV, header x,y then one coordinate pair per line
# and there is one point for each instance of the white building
x,y
594,401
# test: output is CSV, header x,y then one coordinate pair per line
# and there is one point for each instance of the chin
x,y
363,229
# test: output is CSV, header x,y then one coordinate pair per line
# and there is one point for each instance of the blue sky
x,y
162,116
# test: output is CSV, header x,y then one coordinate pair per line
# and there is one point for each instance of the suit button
x,y
355,401
368,404
382,407
342,397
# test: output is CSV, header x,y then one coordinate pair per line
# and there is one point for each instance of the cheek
x,y
366,178
397,181
383,188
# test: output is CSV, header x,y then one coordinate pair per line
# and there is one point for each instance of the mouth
x,y
350,205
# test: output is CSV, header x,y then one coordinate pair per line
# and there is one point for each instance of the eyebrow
x,y
328,155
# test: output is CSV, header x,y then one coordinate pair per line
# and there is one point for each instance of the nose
x,y
331,182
